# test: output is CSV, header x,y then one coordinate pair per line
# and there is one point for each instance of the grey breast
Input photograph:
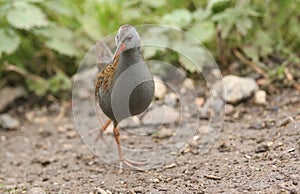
x,y
133,87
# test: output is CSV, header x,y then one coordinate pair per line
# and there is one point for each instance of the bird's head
x,y
127,38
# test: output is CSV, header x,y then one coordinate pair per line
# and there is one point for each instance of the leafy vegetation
x,y
43,41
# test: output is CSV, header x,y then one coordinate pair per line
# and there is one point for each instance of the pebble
x,y
161,115
200,101
44,132
188,84
99,190
67,178
260,97
262,148
229,109
139,189
160,88
9,95
170,166
71,134
9,122
171,99
164,133
83,93
236,88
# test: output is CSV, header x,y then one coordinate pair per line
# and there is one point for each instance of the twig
x,y
252,64
10,67
212,177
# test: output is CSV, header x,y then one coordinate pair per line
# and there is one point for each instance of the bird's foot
x,y
131,164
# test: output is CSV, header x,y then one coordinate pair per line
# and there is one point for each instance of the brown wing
x,y
105,77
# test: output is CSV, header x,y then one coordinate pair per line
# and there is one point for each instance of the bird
x,y
124,86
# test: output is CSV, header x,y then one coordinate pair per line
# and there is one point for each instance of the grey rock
x,y
9,122
236,88
9,95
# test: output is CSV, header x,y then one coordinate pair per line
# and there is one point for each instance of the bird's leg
x,y
122,160
103,128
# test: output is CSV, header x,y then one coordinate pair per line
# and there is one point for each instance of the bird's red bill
x,y
120,48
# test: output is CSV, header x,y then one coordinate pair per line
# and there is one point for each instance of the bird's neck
x,y
130,57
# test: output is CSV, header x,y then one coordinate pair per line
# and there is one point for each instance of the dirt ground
x,y
257,152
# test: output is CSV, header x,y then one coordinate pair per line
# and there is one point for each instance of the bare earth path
x,y
258,151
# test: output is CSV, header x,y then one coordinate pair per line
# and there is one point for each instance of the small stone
x,y
164,133
260,97
170,166
160,88
188,84
54,108
139,189
161,115
171,99
3,138
44,132
40,120
67,178
200,101
229,109
44,179
71,134
262,148
155,180
64,165
9,122
36,190
99,190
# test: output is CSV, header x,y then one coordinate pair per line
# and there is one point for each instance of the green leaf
x,y
180,18
201,14
192,57
90,26
264,42
33,1
62,47
39,87
243,25
155,3
251,52
203,31
59,82
9,41
26,16
60,39
217,6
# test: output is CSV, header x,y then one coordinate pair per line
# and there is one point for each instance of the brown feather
x,y
105,77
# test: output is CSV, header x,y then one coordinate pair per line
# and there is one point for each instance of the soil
x,y
257,151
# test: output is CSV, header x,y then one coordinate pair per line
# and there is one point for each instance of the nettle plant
x,y
38,44
43,41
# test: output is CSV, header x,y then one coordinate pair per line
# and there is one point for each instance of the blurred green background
x,y
43,41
